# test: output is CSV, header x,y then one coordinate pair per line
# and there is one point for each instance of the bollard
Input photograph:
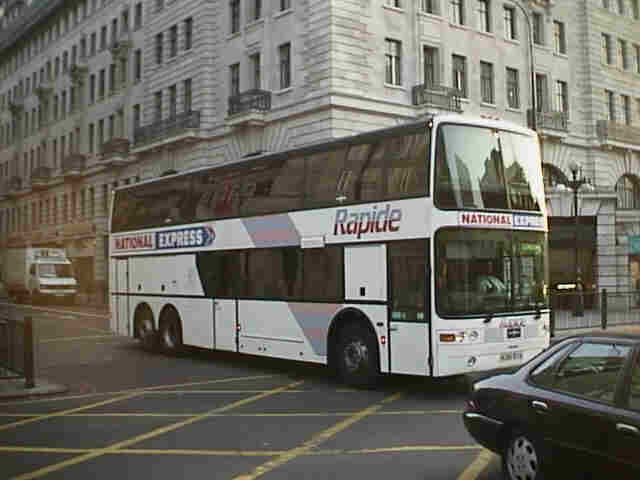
x,y
604,309
29,364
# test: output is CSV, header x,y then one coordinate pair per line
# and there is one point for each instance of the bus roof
x,y
409,127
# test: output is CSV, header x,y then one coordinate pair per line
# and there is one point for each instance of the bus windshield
x,y
490,271
481,168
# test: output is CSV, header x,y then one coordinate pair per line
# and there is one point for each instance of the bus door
x,y
408,313
121,288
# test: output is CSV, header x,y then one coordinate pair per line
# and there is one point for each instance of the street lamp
x,y
574,184
534,120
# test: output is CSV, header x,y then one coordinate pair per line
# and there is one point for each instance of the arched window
x,y
628,192
553,176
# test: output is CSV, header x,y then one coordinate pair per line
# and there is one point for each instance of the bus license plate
x,y
510,356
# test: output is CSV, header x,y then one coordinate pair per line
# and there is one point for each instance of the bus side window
x,y
370,183
406,165
323,173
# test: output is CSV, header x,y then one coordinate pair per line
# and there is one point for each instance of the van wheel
x,y
171,334
145,332
357,356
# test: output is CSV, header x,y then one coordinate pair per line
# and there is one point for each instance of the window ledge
x,y
561,55
487,34
283,91
459,26
488,105
258,22
513,109
393,9
513,41
433,16
233,35
394,87
283,13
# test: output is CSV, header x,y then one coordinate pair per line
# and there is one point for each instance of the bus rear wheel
x,y
171,334
357,356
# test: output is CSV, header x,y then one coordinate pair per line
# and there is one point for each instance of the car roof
x,y
627,337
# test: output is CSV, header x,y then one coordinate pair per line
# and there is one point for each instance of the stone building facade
x,y
100,93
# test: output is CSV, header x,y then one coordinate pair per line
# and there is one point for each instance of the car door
x,y
573,403
624,434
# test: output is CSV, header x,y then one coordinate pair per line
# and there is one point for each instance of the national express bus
x,y
419,249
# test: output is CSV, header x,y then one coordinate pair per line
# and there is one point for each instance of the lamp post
x,y
534,120
574,184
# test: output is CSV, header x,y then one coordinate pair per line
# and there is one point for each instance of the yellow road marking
x,y
73,339
140,389
316,440
243,453
62,413
476,467
257,414
153,433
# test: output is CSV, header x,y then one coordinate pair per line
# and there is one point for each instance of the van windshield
x,y
55,270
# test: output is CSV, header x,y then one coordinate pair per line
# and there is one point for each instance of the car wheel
x,y
521,459
357,356
171,335
146,333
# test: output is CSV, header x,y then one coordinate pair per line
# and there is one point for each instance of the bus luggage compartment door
x,y
226,326
365,272
121,288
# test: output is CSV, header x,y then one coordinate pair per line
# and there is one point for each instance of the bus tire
x,y
357,359
144,330
170,333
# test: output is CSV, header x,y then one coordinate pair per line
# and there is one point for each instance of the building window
x,y
393,62
635,9
103,37
254,61
114,31
285,5
486,82
137,65
234,79
636,54
159,5
101,83
459,74
173,41
484,16
173,101
393,3
513,88
159,41
606,48
610,104
138,16
621,7
136,117
560,42
430,62
93,43
542,92
235,15
622,54
510,23
626,108
284,55
188,33
256,9
562,99
100,135
605,4
157,101
112,78
538,28
187,95
628,193
428,6
91,139
457,11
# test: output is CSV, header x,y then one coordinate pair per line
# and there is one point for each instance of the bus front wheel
x,y
145,332
357,356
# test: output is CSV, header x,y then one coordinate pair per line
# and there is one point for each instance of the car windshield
x,y
490,271
55,270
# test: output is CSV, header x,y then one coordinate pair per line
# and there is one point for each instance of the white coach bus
x,y
419,249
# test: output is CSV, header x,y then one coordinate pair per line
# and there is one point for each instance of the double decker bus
x,y
419,249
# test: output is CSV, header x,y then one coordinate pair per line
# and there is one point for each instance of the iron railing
x,y
115,147
437,96
74,161
617,132
550,120
17,352
250,100
41,174
167,127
